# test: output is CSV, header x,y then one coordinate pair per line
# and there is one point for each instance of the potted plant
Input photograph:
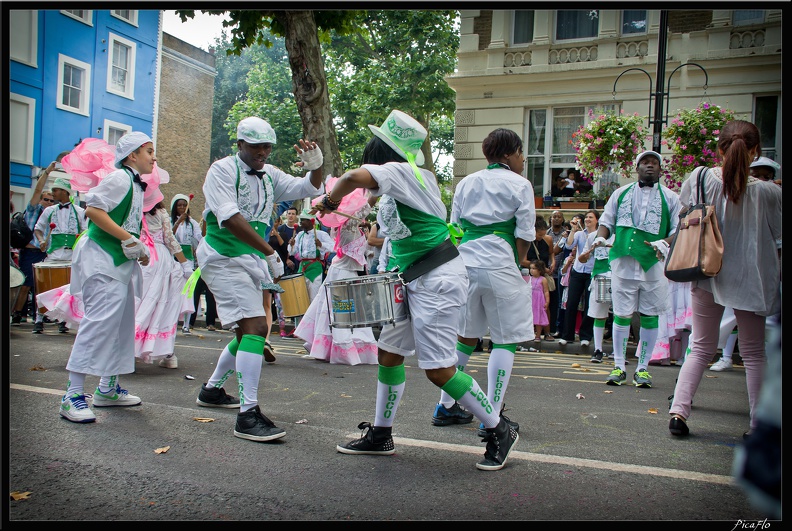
x,y
692,138
609,141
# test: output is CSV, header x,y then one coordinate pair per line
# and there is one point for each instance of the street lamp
x,y
660,117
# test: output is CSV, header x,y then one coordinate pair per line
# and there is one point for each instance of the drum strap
x,y
445,252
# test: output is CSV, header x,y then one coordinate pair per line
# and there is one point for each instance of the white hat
x,y
62,183
764,161
127,144
178,197
403,133
305,214
254,130
645,153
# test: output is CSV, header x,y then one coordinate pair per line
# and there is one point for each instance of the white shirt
x,y
304,247
65,223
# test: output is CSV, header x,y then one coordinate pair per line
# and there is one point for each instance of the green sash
x,y
629,241
110,244
502,229
311,269
187,251
600,266
59,241
427,232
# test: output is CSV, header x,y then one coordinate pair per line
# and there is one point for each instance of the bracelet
x,y
329,204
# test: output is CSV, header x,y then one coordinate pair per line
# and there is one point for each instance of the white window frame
x,y
23,153
85,103
133,16
129,90
86,19
24,39
110,124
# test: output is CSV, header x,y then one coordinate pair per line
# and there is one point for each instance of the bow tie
x,y
64,205
258,174
641,184
137,179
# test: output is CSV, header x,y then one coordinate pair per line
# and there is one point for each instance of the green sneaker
x,y
617,377
641,378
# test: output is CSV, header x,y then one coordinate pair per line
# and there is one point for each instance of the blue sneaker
x,y
456,414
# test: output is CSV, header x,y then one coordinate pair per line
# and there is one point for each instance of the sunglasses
x,y
47,200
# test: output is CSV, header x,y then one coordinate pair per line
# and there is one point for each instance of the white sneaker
x,y
584,343
116,397
722,365
186,331
169,363
75,409
562,342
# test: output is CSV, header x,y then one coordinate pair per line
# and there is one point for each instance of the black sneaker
x,y
216,397
596,357
62,328
255,426
482,432
456,414
38,328
17,318
500,442
269,352
376,441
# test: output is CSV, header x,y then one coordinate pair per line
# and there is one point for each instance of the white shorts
x,y
237,294
597,310
498,299
646,297
436,301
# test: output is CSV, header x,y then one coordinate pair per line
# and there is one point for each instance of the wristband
x,y
329,204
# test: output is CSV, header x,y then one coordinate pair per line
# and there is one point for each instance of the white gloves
x,y
312,159
276,265
660,246
187,268
599,241
133,248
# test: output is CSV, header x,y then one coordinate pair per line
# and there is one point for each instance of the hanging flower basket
x,y
609,141
692,139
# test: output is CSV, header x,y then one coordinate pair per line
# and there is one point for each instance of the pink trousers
x,y
706,329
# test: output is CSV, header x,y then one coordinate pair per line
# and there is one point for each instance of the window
x,y
574,24
121,70
633,22
745,17
73,85
114,131
523,27
127,15
22,114
23,40
83,15
767,119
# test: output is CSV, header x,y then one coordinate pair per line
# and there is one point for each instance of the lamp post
x,y
660,117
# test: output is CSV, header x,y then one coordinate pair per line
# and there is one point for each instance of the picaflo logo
x,y
499,385
391,403
398,292
482,399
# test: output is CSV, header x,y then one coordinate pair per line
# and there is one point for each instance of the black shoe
x,y
62,328
678,427
17,318
500,442
376,441
455,414
482,431
596,357
38,328
216,397
479,346
47,320
254,426
269,353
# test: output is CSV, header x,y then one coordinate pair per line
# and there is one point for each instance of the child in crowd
x,y
540,300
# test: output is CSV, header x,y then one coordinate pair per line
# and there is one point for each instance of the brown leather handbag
x,y
696,252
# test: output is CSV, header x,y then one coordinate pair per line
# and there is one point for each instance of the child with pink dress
x,y
540,300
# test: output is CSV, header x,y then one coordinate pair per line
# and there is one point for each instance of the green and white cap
x,y
254,130
404,134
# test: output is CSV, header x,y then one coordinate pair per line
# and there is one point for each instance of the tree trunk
x,y
310,85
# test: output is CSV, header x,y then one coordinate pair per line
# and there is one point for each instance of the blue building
x,y
74,74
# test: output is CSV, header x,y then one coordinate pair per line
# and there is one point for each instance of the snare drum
x,y
51,274
602,285
15,282
367,301
294,299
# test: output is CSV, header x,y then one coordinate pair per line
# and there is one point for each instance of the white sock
x,y
646,344
462,360
728,349
499,371
620,335
388,400
248,368
226,366
76,383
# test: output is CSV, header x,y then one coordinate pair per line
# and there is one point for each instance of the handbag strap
x,y
701,195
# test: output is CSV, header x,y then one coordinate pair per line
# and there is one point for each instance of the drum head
x,y
16,278
53,264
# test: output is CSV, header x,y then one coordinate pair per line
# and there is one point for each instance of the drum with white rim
x,y
294,300
15,281
370,300
51,274
602,287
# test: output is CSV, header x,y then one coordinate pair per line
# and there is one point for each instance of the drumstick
x,y
343,214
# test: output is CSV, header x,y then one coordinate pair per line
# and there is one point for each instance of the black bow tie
x,y
64,205
138,180
258,174
641,184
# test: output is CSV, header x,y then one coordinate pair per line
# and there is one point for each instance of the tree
x,y
301,31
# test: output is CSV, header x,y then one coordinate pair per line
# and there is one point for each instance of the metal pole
x,y
659,82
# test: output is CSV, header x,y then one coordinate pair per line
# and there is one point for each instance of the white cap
x,y
764,161
254,130
127,144
645,153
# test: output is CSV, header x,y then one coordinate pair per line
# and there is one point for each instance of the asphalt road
x,y
587,451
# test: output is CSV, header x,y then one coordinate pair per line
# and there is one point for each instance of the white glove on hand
x,y
600,241
133,252
187,268
276,265
661,246
312,159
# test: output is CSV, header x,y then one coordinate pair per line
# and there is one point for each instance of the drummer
x,y
56,231
597,310
311,247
